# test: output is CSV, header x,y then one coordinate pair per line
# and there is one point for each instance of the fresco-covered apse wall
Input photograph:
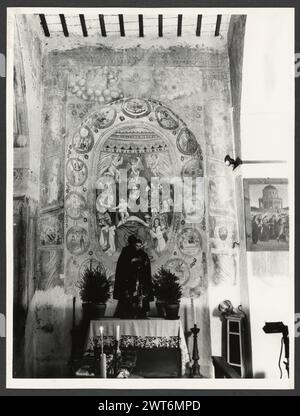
x,y
84,88
117,146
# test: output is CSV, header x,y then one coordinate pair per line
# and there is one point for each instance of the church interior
x,y
102,104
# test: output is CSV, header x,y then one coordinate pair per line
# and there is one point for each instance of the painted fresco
x,y
176,132
51,229
131,145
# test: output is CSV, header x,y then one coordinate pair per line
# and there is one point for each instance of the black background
x,y
207,405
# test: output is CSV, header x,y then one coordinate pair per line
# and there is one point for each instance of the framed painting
x,y
266,214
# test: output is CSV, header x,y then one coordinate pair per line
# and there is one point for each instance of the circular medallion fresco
x,y
192,169
75,205
76,171
193,203
180,268
103,118
189,241
105,198
186,142
136,108
90,264
77,240
83,140
166,118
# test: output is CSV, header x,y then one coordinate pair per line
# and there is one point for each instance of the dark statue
x,y
133,282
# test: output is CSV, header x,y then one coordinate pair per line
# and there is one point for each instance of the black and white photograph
x,y
150,198
267,224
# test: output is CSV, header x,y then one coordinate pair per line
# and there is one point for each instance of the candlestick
x,y
101,338
195,369
102,365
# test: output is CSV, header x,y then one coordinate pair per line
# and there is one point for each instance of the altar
x,y
152,336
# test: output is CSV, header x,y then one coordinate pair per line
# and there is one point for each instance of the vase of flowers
x,y
168,292
94,291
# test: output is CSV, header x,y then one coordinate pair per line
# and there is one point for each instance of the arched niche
x,y
144,139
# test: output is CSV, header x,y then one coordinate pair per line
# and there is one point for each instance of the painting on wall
x,y
134,167
50,268
224,266
52,186
75,205
222,232
117,217
267,214
189,241
51,227
221,195
186,142
125,166
76,172
77,240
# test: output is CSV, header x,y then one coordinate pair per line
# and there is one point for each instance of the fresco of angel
x,y
110,165
159,164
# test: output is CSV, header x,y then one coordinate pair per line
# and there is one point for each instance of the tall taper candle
x,y
74,311
102,365
193,311
101,338
118,333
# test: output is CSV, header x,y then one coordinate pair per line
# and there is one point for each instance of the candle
x,y
74,305
118,333
193,311
101,332
102,365
101,338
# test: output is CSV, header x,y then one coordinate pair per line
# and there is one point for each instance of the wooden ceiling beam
x,y
64,25
121,23
179,25
160,25
141,26
102,25
218,24
83,25
44,25
199,22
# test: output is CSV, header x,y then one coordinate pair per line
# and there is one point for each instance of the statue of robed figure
x,y
133,283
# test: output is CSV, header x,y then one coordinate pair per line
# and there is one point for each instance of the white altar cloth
x,y
141,333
